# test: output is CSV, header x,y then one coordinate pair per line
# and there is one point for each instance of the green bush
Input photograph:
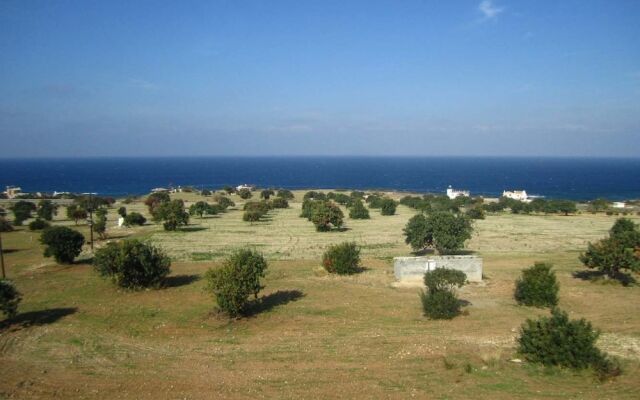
x,y
252,215
439,301
132,264
327,215
537,286
122,211
237,279
342,258
63,243
134,218
9,298
38,224
558,341
285,194
388,207
475,213
5,226
358,210
224,202
245,194
279,202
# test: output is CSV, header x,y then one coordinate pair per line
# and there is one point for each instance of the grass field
x,y
315,336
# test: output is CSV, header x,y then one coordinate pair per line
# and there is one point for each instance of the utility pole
x,y
90,220
4,275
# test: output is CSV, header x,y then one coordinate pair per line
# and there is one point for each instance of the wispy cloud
x,y
489,10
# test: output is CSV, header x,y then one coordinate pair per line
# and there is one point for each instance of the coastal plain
x,y
314,335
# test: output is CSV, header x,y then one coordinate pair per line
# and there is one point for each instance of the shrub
x,y
342,258
122,211
38,224
440,305
245,194
444,279
279,202
63,243
132,264
22,211
201,208
358,210
252,215
261,206
326,215
224,202
388,207
285,194
134,218
374,201
266,194
173,214
537,286
475,213
5,226
312,195
443,230
9,298
47,209
237,279
558,341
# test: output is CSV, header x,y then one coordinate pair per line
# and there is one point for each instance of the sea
x,y
567,178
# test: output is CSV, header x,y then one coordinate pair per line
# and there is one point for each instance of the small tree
x,y
559,341
62,243
205,192
327,215
224,202
343,259
266,194
537,287
418,232
134,218
285,194
388,207
47,209
245,193
444,279
201,208
132,264
9,298
475,213
122,211
38,224
22,211
237,279
76,213
155,202
358,210
252,215
173,215
279,202
100,226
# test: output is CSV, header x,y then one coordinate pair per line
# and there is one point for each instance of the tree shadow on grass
x,y
423,252
272,300
597,276
180,280
36,318
9,251
193,229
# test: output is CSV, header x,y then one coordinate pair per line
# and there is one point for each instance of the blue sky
x,y
487,78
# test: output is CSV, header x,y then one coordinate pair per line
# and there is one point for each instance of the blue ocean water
x,y
574,178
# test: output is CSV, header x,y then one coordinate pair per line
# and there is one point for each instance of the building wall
x,y
415,267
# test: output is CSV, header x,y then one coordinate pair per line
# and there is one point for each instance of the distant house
x,y
619,204
453,193
13,191
159,190
520,195
244,186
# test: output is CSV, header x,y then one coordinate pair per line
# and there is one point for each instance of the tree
x,y
313,195
327,215
565,207
237,279
38,224
9,298
475,213
388,207
155,201
445,231
439,301
173,215
266,194
285,194
279,202
537,287
358,210
619,251
76,213
62,243
122,211
343,259
202,207
134,218
47,209
5,226
100,226
224,202
598,205
229,189
205,192
245,193
252,215
132,264
22,211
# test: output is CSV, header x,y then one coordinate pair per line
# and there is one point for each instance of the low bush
x,y
9,298
444,279
342,258
388,207
134,218
236,280
326,216
559,341
279,202
442,304
358,210
537,287
38,224
475,213
132,264
5,226
285,194
62,243
252,215
245,194
122,211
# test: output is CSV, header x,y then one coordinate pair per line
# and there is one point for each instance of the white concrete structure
x,y
452,193
413,268
520,195
159,190
619,204
12,192
245,186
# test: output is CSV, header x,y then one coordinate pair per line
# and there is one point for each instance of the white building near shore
x,y
520,195
453,193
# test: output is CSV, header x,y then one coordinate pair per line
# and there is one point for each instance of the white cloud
x,y
489,10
